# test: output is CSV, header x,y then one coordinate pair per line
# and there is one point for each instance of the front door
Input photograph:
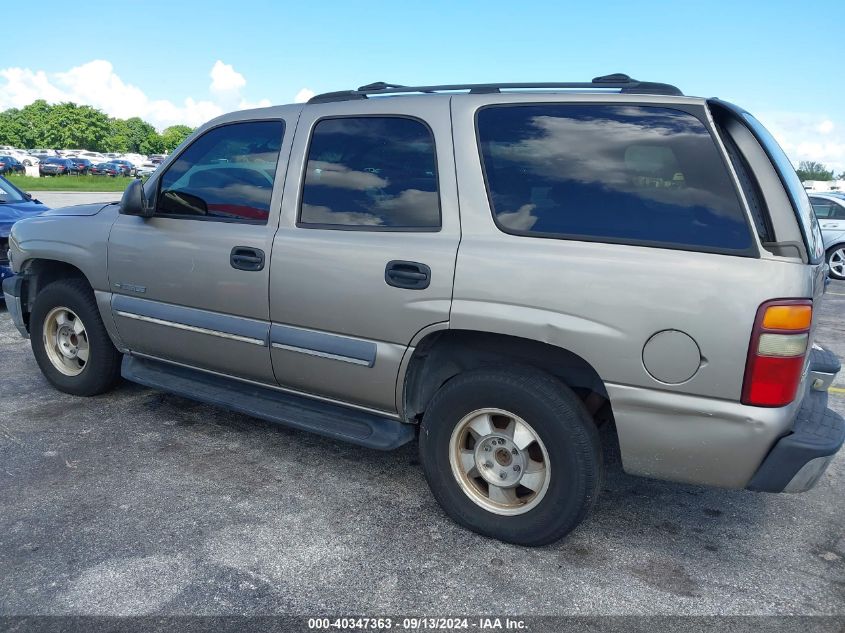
x,y
365,253
190,284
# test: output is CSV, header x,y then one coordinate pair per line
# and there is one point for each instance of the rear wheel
x,y
70,342
512,454
836,262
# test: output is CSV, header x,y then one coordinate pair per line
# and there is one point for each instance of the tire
x,y
62,306
559,495
836,261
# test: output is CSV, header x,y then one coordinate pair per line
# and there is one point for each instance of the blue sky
x,y
155,58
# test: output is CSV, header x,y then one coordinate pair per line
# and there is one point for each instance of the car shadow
x,y
675,515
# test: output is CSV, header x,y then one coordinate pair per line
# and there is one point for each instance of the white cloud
x,y
303,95
96,84
826,126
805,136
224,78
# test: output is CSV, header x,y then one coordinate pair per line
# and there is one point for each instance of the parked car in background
x,y
10,165
105,169
127,168
43,153
94,157
14,205
53,166
80,165
135,159
24,157
830,211
145,169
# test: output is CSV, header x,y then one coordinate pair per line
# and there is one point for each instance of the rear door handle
x,y
411,275
247,258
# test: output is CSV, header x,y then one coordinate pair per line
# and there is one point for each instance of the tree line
x,y
811,170
72,126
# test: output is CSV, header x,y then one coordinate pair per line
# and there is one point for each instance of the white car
x,y
145,169
25,158
42,152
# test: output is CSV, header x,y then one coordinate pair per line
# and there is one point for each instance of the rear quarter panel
x,y
604,301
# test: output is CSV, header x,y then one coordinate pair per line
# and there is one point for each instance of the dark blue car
x,y
14,205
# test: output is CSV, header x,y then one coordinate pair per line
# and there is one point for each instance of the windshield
x,y
9,193
794,188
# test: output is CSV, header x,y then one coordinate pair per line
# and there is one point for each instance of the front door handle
x,y
247,258
411,275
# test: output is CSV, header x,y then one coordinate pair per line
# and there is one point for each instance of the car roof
x,y
617,87
839,195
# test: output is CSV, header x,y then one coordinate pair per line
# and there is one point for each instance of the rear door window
x,y
642,175
371,173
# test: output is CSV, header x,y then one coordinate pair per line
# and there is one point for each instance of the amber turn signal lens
x,y
790,317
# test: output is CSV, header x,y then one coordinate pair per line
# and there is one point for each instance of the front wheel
x,y
836,262
70,342
512,454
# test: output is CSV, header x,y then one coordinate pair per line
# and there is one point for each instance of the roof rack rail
x,y
617,81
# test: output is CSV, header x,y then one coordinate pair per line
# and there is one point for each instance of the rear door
x,y
364,256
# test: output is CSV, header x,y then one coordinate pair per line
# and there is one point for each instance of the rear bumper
x,y
798,459
12,295
724,443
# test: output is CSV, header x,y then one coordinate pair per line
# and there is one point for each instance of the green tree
x,y
173,136
76,127
812,170
12,129
153,144
72,126
138,132
29,125
117,139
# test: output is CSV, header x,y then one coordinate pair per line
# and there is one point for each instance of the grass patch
x,y
70,183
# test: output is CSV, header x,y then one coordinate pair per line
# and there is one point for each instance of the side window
x,y
823,208
634,174
371,173
226,174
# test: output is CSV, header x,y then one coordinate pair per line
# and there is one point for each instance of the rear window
x,y
794,188
641,175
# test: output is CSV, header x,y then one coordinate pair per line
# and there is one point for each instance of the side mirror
x,y
133,201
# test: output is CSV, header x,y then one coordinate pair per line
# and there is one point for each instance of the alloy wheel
x,y
66,341
499,461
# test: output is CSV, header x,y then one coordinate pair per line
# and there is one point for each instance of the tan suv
x,y
496,269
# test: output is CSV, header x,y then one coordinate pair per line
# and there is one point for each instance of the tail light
x,y
776,352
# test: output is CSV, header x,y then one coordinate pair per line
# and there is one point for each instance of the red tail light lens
x,y
776,352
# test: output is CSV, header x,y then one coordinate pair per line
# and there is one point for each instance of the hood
x,y
11,212
81,209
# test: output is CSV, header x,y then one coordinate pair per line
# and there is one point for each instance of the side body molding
x,y
192,319
341,348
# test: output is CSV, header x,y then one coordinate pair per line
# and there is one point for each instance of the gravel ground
x,y
139,502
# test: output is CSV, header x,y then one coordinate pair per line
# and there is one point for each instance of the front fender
x,y
78,240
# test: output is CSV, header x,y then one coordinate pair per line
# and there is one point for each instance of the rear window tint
x,y
642,175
